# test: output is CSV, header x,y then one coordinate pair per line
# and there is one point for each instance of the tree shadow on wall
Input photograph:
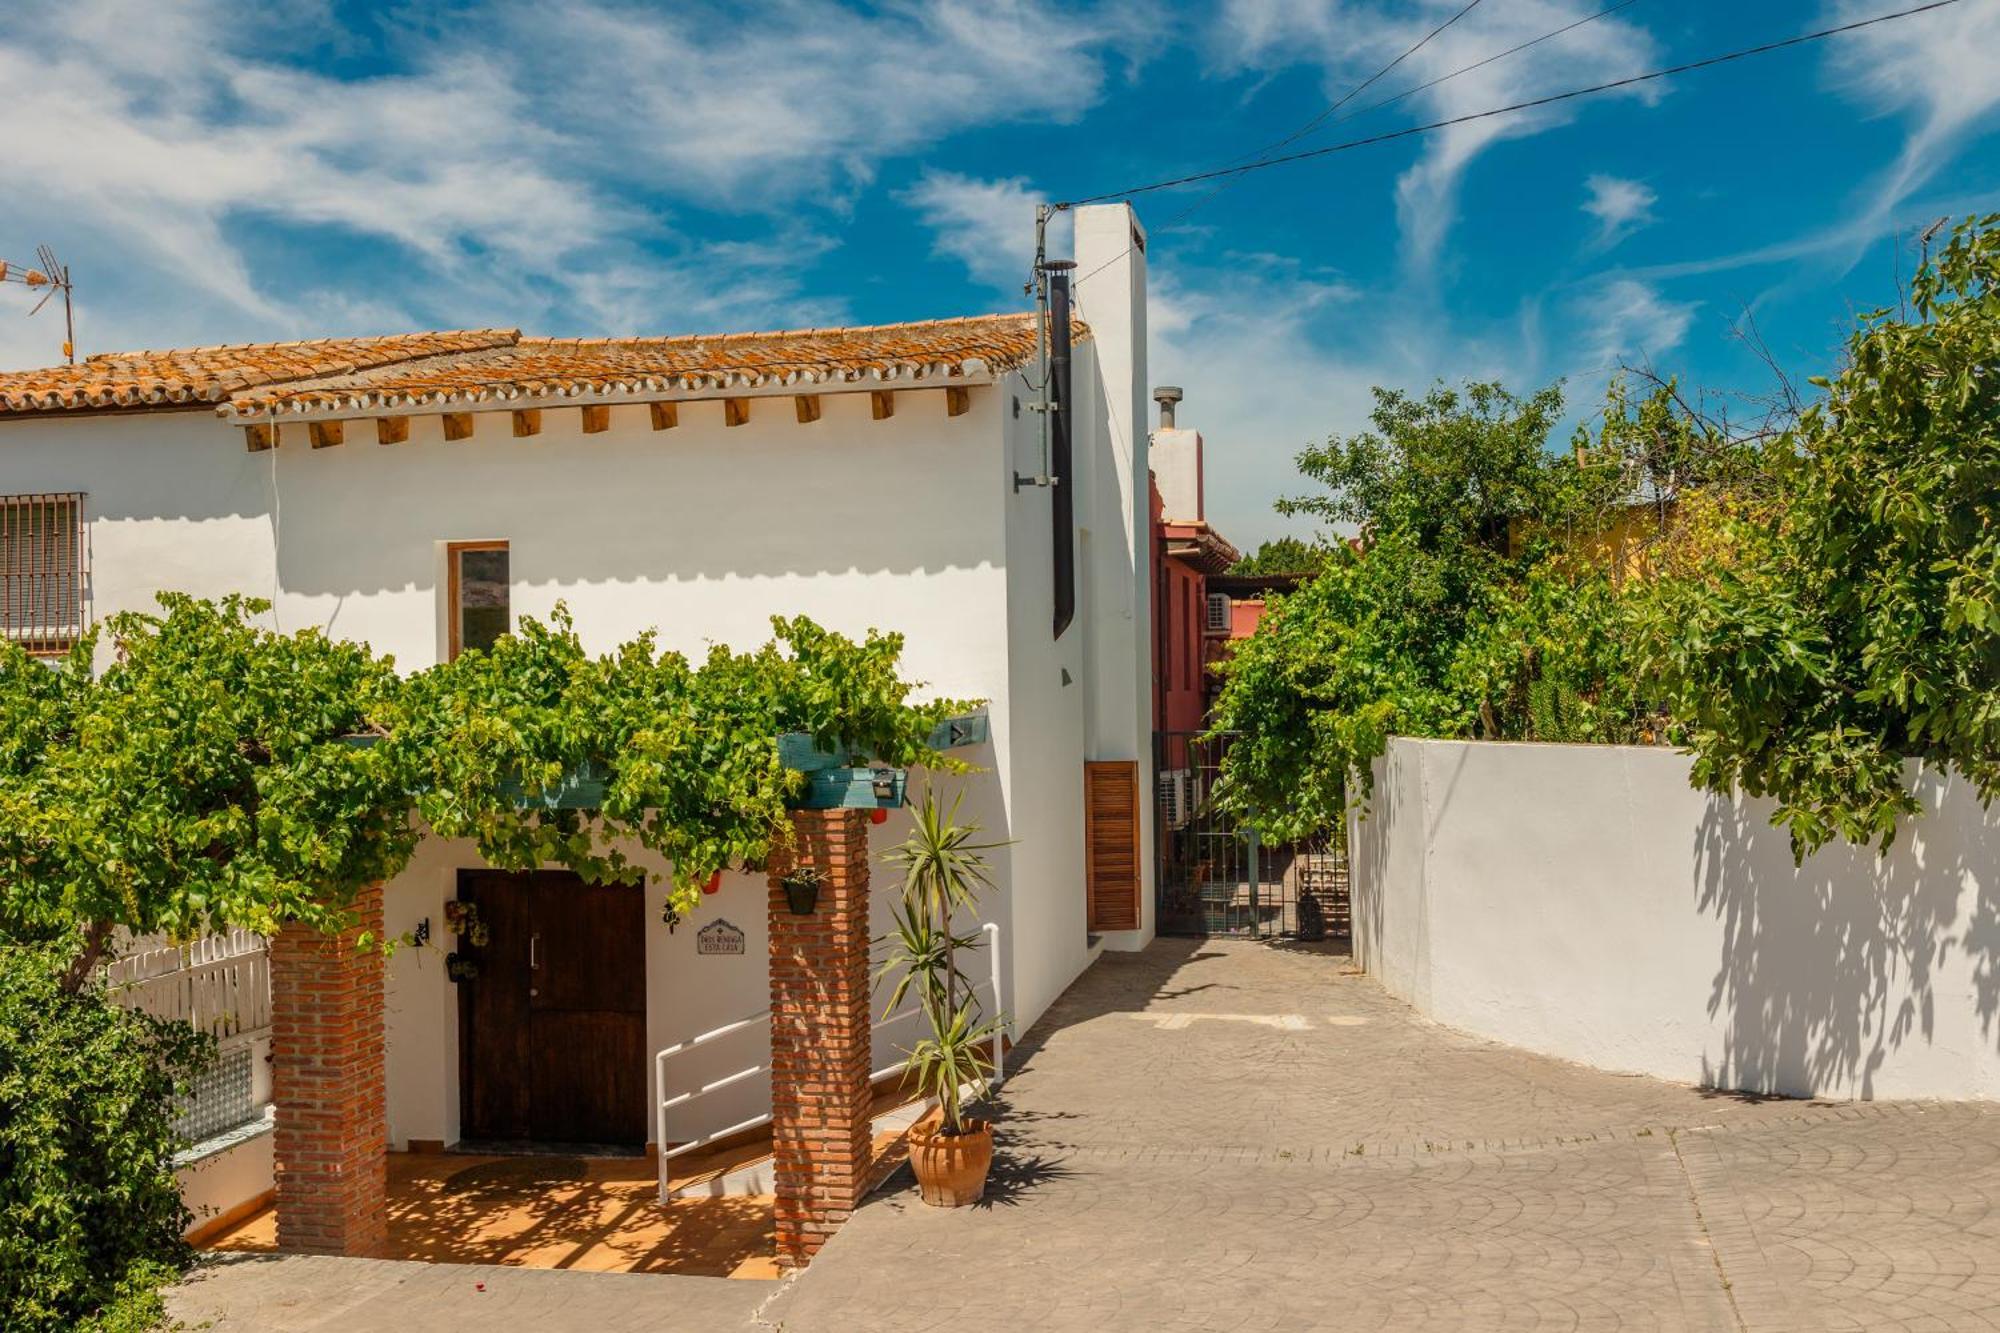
x,y
1829,967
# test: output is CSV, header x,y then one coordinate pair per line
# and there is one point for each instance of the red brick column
x,y
327,1080
820,1025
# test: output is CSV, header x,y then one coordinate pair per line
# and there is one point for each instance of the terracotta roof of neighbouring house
x,y
1194,541
440,369
212,374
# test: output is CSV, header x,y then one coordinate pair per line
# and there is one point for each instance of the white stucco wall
x,y
1111,442
228,1183
1587,903
702,532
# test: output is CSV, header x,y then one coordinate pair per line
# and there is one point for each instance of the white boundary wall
x,y
1586,902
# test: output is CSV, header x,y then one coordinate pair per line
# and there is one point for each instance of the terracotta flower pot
x,y
950,1170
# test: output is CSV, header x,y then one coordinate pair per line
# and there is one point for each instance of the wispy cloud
x,y
986,225
1936,69
1628,321
1620,206
1351,40
554,164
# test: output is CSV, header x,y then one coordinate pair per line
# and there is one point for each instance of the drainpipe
x,y
1063,498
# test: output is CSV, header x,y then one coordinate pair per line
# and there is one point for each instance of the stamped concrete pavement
x,y
1234,1136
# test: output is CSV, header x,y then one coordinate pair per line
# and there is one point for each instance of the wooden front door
x,y
552,1032
1111,843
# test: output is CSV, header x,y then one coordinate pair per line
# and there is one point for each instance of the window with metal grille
x,y
1218,613
41,571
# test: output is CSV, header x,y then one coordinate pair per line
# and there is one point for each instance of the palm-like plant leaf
x,y
944,870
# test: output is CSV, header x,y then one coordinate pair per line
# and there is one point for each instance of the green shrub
x,y
90,1213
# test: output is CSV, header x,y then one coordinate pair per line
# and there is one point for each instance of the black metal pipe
x,y
1062,502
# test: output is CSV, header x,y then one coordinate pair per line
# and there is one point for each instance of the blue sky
x,y
297,168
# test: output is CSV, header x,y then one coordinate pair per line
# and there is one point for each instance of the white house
x,y
406,491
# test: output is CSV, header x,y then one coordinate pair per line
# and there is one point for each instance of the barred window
x,y
41,571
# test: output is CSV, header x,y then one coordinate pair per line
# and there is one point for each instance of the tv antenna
x,y
53,275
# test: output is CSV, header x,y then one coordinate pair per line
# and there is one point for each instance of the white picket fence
x,y
219,983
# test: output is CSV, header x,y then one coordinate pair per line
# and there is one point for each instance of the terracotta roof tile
x,y
212,374
567,368
437,369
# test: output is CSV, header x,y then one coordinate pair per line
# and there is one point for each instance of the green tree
x,y
1458,616
201,781
1861,628
1282,555
90,1210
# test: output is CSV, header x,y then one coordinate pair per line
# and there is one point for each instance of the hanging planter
x,y
879,815
714,883
462,919
802,889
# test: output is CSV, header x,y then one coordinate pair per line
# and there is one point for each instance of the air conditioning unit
x,y
1218,613
1176,789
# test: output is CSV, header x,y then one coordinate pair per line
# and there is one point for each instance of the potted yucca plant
x,y
944,870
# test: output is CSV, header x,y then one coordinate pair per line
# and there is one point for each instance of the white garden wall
x,y
1586,902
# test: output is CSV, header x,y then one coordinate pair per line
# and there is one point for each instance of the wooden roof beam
x,y
527,421
596,418
882,403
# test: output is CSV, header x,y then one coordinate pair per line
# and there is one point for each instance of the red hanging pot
x,y
714,884
879,815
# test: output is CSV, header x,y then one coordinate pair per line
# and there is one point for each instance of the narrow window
x,y
41,571
479,607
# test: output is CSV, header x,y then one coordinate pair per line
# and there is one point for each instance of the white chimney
x,y
1176,458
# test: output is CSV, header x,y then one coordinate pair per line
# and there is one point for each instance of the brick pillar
x,y
820,1025
327,1080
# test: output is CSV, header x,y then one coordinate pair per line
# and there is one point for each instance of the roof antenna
x,y
54,275
1930,234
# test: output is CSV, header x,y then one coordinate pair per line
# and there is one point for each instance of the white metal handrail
x,y
666,1103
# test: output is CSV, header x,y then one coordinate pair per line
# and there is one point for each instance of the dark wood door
x,y
553,1030
1111,843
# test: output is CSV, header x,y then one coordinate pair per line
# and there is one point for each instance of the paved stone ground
x,y
299,1293
1228,1136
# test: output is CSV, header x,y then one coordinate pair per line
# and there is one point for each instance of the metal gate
x,y
1215,875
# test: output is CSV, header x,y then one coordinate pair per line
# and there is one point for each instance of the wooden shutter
x,y
1111,842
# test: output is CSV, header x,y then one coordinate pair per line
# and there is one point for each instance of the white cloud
x,y
1274,355
1620,206
987,225
1630,321
507,162
1936,69
1351,40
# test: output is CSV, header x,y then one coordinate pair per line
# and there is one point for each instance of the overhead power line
x,y
1483,62
1528,105
1321,120
1362,86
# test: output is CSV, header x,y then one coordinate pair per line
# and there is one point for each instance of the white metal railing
x,y
220,984
665,1104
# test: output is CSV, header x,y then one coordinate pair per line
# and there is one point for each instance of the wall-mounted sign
x,y
718,937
